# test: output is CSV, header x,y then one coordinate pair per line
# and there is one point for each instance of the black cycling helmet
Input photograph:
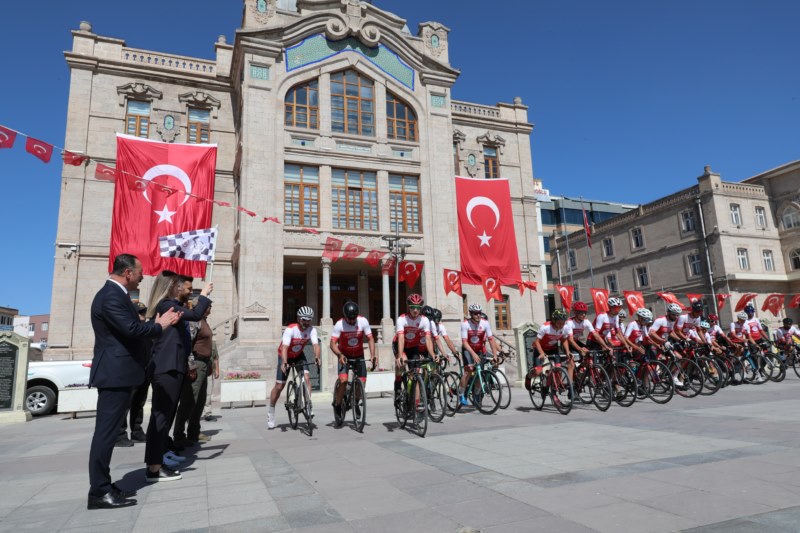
x,y
437,315
350,310
427,311
558,314
697,305
788,322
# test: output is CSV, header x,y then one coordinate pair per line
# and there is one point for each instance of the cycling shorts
x,y
359,368
281,376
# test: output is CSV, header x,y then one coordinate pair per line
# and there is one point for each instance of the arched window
x,y
791,217
301,106
352,103
401,122
794,259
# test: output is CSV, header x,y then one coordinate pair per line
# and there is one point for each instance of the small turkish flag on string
x,y
492,289
105,173
333,248
530,285
773,303
388,266
670,298
222,204
452,282
721,301
310,230
566,292
247,211
634,299
795,302
600,300
71,158
743,301
7,137
410,272
374,257
271,219
693,297
39,149
351,251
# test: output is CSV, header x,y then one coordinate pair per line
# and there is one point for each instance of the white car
x,y
47,378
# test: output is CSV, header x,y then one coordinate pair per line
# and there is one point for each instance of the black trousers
x,y
136,411
112,403
192,403
166,391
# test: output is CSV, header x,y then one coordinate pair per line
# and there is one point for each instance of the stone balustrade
x,y
168,61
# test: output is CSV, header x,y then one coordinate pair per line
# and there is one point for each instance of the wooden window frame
x,y
491,164
291,109
302,189
349,190
137,120
403,195
199,128
349,100
410,122
502,323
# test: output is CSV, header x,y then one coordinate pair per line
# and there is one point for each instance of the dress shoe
x,y
110,500
138,436
122,493
123,442
164,474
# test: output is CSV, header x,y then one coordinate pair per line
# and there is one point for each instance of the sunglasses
x,y
417,307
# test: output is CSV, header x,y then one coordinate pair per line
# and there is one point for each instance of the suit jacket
x,y
121,339
171,351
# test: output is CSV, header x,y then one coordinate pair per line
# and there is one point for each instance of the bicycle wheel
x,y
291,404
305,407
794,360
401,404
736,370
711,375
657,382
690,377
561,390
599,380
486,393
451,393
420,406
584,390
505,386
358,401
437,398
538,392
725,377
624,377
774,368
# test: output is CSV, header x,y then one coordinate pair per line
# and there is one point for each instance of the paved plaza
x,y
728,462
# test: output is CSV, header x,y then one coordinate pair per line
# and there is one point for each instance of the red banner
x,y
795,302
7,137
374,257
333,247
410,272
140,216
566,292
530,285
635,301
491,289
773,303
73,159
452,282
743,301
351,251
693,297
105,173
388,267
587,229
39,149
721,301
670,299
486,231
600,300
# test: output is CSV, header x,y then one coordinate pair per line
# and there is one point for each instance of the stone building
x,y
328,114
751,244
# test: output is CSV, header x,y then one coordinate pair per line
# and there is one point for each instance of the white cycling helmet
x,y
305,313
646,314
674,308
614,302
475,308
622,314
742,315
704,324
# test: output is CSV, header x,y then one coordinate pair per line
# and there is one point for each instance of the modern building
x,y
328,114
7,315
714,237
35,327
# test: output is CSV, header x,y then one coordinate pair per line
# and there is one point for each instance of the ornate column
x,y
386,323
325,319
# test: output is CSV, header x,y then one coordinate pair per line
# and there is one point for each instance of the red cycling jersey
x,y
350,338
476,334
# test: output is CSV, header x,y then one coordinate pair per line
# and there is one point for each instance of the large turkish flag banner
x,y
172,183
566,292
635,301
600,300
486,231
773,303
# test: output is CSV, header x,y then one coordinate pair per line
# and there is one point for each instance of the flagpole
x,y
588,246
566,236
210,270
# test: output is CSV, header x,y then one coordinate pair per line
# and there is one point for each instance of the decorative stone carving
x,y
137,91
201,99
167,125
450,310
263,10
353,23
459,136
473,162
489,139
434,35
256,308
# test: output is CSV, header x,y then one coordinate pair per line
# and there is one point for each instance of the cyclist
x,y
347,342
607,324
622,315
783,336
294,340
580,331
661,333
475,332
689,322
756,328
444,338
716,332
637,333
413,329
739,333
551,335
427,312
707,338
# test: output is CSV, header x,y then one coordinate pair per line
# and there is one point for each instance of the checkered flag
x,y
194,245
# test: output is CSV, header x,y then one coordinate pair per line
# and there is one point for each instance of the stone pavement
x,y
727,462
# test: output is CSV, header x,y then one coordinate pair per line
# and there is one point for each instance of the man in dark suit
x,y
120,355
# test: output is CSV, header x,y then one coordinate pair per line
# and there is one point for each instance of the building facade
x,y
329,115
714,237
35,327
7,315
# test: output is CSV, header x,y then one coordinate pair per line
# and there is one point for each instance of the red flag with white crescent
x,y
39,149
566,292
530,285
491,289
374,257
721,301
773,303
105,173
743,301
410,272
486,234
795,302
71,158
7,137
333,247
452,282
670,299
351,251
155,195
694,297
600,300
635,301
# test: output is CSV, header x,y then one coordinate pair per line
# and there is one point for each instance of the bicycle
x,y
484,384
435,392
297,403
687,374
410,401
591,382
622,377
554,382
653,380
354,398
505,385
752,365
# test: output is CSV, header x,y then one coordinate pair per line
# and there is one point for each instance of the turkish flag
x,y
795,301
566,292
452,282
271,219
311,230
721,300
670,299
374,257
773,303
71,158
177,173
634,299
587,229
410,272
105,173
246,211
600,300
39,149
693,297
352,251
333,248
492,289
486,231
388,266
7,137
222,204
530,285
743,301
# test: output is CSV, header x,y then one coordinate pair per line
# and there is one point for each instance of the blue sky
x,y
630,99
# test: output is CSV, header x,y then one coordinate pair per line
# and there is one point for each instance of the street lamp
x,y
397,249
